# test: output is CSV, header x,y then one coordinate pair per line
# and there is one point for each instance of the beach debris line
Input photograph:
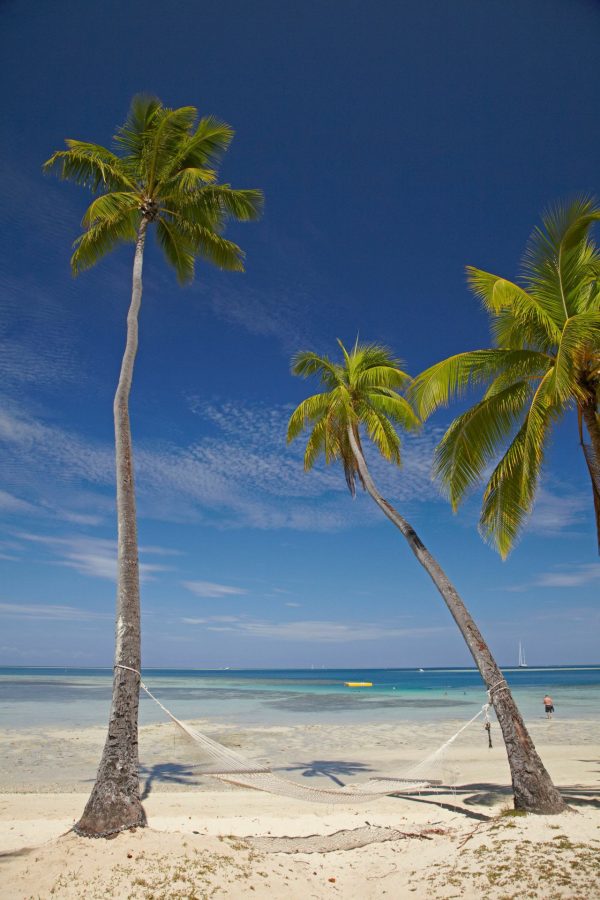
x,y
345,839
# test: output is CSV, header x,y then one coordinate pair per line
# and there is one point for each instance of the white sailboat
x,y
522,662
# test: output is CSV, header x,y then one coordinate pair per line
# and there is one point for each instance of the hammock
x,y
233,768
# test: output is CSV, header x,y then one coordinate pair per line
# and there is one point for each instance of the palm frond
x,y
317,444
306,363
380,376
170,129
452,377
474,438
214,204
103,237
177,249
187,180
241,205
580,333
199,150
308,411
215,249
587,298
503,511
110,206
510,492
90,165
551,261
395,407
527,316
132,136
380,431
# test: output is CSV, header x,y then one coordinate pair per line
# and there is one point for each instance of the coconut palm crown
x,y
363,390
162,171
546,360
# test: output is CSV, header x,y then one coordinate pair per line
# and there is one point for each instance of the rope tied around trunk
x,y
499,686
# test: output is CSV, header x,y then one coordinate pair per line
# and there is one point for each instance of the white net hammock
x,y
233,768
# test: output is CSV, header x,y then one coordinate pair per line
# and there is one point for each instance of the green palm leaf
x,y
310,410
307,363
108,207
362,392
547,334
580,333
177,248
162,173
102,238
474,438
527,317
510,493
452,377
89,165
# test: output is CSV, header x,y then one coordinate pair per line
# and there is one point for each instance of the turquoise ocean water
x,y
56,697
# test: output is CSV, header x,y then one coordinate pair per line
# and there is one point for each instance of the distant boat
x,y
358,683
421,670
522,662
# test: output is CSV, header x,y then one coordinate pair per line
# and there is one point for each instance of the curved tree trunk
x,y
592,454
114,803
532,786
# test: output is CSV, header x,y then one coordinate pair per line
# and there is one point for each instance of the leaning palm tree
x,y
362,397
161,173
545,362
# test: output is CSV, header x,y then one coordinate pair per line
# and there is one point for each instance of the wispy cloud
x,y
562,577
315,631
556,511
95,557
11,504
210,589
573,577
241,474
41,611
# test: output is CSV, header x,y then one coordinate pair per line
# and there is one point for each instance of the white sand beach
x,y
206,839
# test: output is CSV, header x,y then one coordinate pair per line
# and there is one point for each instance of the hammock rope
x,y
235,769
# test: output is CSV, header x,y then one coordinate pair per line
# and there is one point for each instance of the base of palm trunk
x,y
537,797
108,811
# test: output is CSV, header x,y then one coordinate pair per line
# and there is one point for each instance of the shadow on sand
x,y
328,768
169,773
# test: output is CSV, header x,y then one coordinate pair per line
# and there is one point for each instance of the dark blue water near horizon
x,y
432,677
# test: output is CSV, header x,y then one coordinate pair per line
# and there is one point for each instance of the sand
x,y
205,839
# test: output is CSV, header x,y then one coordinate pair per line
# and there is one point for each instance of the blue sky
x,y
395,143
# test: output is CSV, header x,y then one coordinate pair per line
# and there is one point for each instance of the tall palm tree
x,y
545,362
161,173
362,395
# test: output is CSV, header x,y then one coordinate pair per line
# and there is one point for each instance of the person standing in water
x,y
548,706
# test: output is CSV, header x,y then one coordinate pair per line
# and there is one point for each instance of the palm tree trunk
x,y
114,803
532,786
592,455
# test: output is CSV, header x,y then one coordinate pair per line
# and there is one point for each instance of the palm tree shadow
x,y
576,795
483,794
7,855
168,773
328,768
488,794
443,804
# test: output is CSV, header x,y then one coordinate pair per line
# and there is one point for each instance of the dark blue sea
x,y
65,697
